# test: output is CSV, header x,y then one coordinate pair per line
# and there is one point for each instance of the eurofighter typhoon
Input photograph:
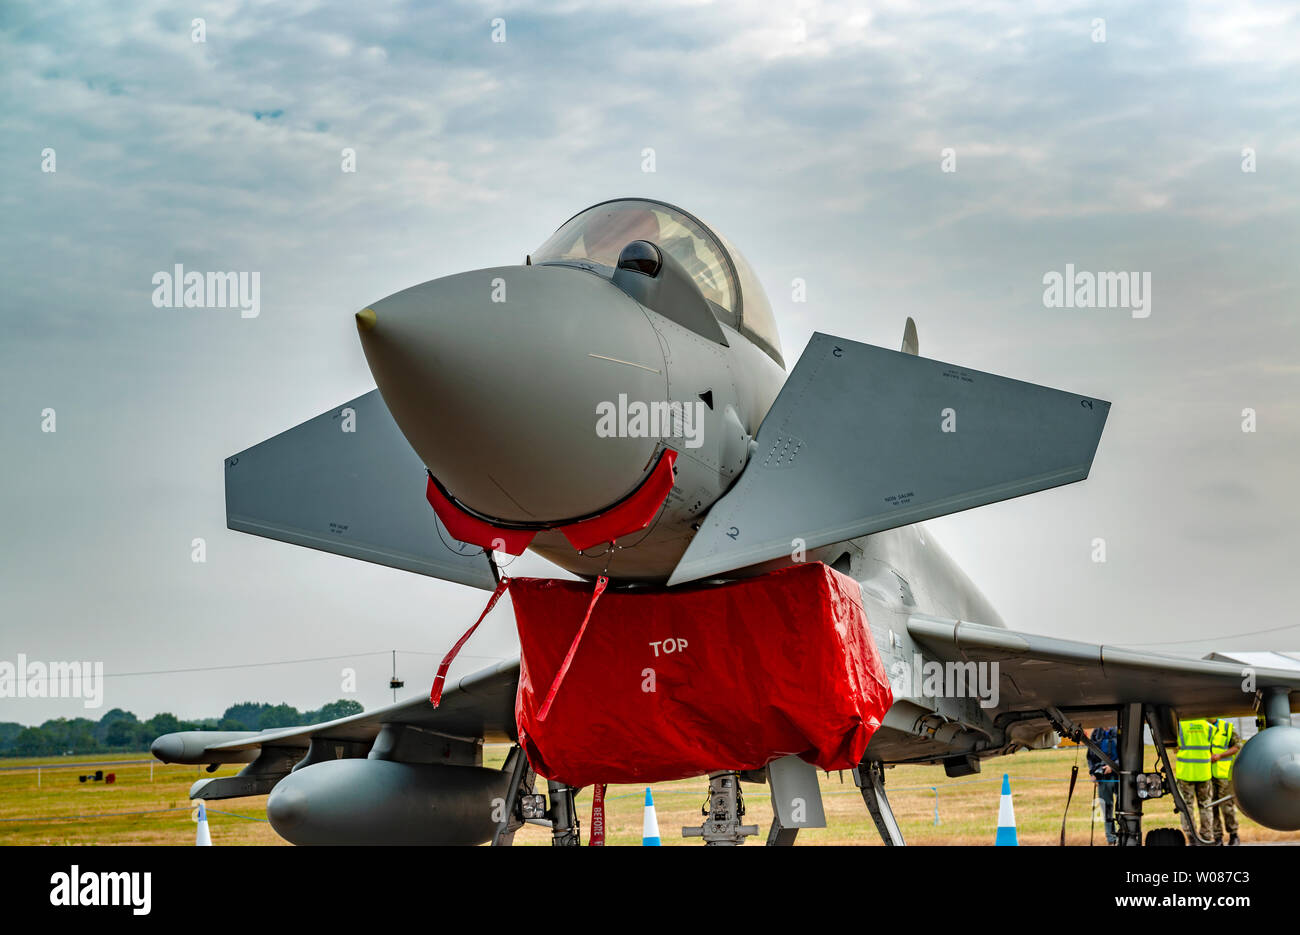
x,y
620,405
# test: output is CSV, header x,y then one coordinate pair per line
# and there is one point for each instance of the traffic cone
x,y
1006,817
204,837
650,827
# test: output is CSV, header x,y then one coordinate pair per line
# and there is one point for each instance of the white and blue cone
x,y
650,827
204,836
1006,817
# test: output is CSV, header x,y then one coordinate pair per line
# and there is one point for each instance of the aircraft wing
x,y
862,439
480,705
348,482
1041,671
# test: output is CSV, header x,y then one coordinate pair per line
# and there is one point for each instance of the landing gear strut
x,y
565,830
1129,722
1128,817
870,777
723,813
521,782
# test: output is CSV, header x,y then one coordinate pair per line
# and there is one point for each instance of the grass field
x,y
138,810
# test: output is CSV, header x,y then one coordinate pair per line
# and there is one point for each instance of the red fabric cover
x,y
466,528
631,515
774,665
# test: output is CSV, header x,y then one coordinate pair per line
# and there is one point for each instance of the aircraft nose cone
x,y
497,377
169,748
286,808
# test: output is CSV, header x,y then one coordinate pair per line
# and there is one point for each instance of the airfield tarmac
x,y
138,810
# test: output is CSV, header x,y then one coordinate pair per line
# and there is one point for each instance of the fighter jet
x,y
619,405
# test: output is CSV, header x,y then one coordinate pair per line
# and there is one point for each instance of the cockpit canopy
x,y
594,238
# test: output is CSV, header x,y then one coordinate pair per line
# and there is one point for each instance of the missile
x,y
356,801
191,746
1266,778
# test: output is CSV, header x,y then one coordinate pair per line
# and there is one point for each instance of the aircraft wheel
x,y
1165,837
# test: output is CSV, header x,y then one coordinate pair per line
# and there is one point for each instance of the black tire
x,y
1165,837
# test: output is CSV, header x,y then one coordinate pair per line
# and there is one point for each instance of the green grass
x,y
968,807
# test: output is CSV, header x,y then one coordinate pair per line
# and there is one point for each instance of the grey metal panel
x,y
854,445
257,778
359,494
796,793
481,704
1036,671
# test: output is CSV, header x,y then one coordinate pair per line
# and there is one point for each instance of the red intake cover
x,y
742,674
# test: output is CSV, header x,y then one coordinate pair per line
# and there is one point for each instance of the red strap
x,y
597,838
435,694
573,648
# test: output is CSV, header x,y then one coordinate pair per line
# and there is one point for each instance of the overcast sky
x,y
811,134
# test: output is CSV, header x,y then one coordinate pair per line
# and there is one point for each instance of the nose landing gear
x,y
723,811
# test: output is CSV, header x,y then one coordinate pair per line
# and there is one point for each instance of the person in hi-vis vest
x,y
1224,745
1192,772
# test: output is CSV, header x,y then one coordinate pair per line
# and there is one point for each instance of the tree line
x,y
121,731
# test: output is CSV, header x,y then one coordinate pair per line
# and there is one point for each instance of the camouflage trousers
x,y
1228,809
1198,796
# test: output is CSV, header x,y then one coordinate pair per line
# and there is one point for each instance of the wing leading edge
x,y
1037,672
478,707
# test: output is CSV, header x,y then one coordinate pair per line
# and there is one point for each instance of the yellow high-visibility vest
x,y
1193,763
1222,736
